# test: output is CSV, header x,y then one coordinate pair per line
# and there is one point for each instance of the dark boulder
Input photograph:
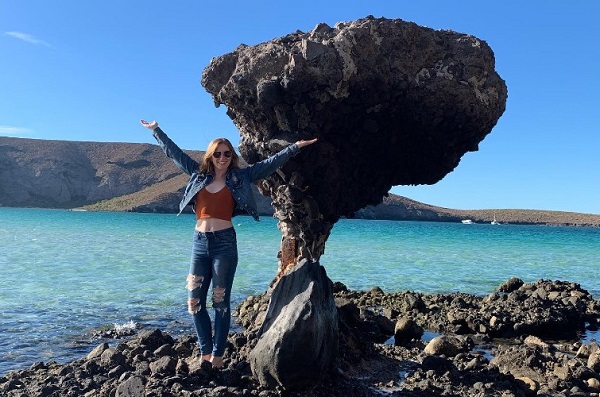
x,y
406,330
132,387
299,337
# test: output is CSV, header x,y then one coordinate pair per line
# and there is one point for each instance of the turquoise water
x,y
64,274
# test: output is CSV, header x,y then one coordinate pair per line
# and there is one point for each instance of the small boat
x,y
494,221
467,221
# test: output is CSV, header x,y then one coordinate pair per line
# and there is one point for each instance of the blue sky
x,y
89,70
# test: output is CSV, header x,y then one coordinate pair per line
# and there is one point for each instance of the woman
x,y
217,190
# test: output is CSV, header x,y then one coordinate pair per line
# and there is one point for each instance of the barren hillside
x,y
139,178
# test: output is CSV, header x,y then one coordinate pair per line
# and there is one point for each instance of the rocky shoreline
x,y
521,340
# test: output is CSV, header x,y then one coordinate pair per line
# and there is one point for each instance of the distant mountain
x,y
140,178
401,208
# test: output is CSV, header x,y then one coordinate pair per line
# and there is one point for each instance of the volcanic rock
x,y
364,367
299,336
449,346
406,330
392,103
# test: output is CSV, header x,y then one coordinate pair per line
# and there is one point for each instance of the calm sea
x,y
65,274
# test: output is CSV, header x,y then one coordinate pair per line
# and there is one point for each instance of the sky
x,y
90,70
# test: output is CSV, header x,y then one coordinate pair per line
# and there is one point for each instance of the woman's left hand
x,y
303,143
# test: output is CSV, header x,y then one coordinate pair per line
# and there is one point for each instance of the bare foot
x,y
217,362
206,357
205,361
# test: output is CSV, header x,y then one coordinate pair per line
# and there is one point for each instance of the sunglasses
x,y
226,153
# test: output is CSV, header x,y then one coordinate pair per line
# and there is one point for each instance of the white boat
x,y
467,221
494,221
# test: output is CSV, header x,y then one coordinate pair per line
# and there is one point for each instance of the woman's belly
x,y
212,224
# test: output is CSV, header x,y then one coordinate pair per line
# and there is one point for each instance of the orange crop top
x,y
214,205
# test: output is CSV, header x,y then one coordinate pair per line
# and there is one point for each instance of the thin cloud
x,y
28,38
8,130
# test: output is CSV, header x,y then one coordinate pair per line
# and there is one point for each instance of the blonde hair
x,y
207,165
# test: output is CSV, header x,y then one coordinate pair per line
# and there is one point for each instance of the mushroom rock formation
x,y
392,103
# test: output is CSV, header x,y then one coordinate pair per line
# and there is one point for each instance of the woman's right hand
x,y
151,125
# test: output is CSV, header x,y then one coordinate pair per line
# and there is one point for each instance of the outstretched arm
x,y
184,162
266,167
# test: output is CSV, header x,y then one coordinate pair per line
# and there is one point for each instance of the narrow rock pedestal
x,y
299,337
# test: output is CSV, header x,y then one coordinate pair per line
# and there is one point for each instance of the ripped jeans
x,y
214,258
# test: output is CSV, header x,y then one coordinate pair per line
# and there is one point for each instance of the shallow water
x,y
64,274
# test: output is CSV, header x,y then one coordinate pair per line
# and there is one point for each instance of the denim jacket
x,y
238,180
